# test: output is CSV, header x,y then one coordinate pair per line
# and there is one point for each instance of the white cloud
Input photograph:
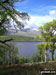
x,y
52,12
37,20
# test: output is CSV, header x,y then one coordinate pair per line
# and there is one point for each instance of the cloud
x,y
52,12
39,16
37,20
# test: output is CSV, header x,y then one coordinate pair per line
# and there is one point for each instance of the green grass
x,y
17,38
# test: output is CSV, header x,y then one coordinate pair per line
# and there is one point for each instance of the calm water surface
x,y
26,48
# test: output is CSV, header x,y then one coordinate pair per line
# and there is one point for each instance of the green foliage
x,y
37,38
8,13
48,31
18,38
35,57
53,39
8,54
23,60
41,49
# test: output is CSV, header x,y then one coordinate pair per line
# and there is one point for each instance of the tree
x,y
50,28
23,60
8,55
33,58
48,35
42,51
8,13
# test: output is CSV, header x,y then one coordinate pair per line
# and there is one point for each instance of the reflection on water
x,y
27,48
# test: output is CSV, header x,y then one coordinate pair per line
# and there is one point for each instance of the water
x,y
26,48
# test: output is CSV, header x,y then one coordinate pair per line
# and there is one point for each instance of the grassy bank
x,y
18,38
27,69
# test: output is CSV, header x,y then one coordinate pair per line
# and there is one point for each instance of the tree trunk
x,y
53,47
45,56
41,58
53,55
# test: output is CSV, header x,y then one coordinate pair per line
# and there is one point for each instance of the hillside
x,y
25,32
18,38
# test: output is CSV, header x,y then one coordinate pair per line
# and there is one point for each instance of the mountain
x,y
25,32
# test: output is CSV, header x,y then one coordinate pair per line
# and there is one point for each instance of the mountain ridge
x,y
25,32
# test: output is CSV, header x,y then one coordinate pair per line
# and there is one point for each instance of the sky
x,y
40,11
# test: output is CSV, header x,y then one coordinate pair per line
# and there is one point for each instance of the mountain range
x,y
25,32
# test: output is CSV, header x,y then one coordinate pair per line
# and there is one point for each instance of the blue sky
x,y
40,11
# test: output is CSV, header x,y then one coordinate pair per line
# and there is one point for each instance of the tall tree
x,y
48,35
8,13
8,54
42,51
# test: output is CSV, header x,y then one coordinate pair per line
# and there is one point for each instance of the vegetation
x,y
9,53
27,69
8,13
23,60
48,35
48,38
18,38
35,57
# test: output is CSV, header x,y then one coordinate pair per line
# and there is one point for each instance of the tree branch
x,y
4,42
2,21
6,1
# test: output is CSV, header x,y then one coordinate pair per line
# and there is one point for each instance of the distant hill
x,y
25,32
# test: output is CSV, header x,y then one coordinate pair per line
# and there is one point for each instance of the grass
x,y
18,38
